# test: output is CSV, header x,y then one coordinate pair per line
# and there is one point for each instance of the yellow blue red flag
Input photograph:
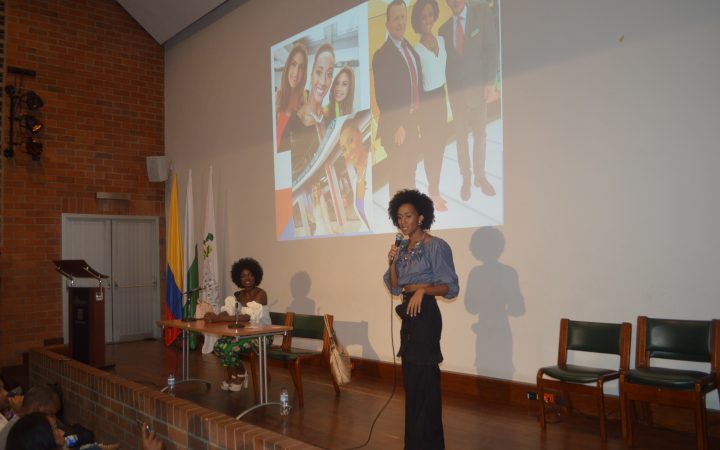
x,y
173,295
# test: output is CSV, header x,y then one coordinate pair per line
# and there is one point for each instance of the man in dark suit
x,y
397,76
472,48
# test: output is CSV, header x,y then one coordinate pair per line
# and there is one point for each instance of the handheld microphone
x,y
398,240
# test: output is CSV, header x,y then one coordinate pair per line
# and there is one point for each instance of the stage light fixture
x,y
31,124
33,148
33,101
24,106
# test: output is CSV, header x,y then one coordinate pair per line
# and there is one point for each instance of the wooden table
x,y
262,332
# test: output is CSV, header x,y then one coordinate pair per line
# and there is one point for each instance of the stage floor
x,y
344,422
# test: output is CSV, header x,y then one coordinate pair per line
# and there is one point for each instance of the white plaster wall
x,y
612,132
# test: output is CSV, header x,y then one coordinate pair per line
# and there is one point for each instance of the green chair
x,y
681,340
596,337
308,327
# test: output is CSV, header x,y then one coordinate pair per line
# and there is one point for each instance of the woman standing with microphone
x,y
421,268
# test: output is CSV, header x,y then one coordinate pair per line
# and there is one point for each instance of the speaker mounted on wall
x,y
157,168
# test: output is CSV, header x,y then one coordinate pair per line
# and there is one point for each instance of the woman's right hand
x,y
393,254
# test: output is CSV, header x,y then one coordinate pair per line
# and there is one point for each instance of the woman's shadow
x,y
349,333
300,284
493,293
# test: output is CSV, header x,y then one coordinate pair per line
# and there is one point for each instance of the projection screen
x,y
388,96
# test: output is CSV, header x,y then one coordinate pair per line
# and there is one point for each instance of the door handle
x,y
130,286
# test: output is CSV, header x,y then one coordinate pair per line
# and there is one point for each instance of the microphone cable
x,y
394,385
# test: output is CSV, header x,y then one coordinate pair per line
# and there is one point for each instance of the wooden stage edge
x,y
484,389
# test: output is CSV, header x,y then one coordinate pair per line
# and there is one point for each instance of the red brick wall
x,y
110,405
101,77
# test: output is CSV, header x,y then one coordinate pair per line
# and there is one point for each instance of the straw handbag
x,y
340,364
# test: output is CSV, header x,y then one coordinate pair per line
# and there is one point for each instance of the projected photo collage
x,y
388,95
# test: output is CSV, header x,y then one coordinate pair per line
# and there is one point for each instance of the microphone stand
x,y
237,323
186,306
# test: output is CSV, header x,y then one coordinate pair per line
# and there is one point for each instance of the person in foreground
x,y
421,268
247,274
35,431
41,431
9,406
38,399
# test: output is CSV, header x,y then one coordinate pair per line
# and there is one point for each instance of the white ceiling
x,y
163,19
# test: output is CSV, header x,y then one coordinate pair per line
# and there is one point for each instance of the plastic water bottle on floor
x,y
171,384
284,402
71,440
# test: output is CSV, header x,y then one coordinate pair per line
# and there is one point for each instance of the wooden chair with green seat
x,y
308,327
596,337
696,341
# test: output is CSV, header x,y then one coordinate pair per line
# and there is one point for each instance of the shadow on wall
x,y
493,294
349,333
299,289
356,333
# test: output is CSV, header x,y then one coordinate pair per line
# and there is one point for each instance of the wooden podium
x,y
86,312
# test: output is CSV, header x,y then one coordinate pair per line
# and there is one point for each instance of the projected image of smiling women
x,y
306,128
291,95
342,93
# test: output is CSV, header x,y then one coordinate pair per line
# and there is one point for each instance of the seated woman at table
x,y
247,274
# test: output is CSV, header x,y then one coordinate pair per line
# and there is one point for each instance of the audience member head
x,y
421,202
33,431
41,399
249,265
4,402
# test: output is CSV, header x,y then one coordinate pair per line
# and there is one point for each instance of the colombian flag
x,y
173,297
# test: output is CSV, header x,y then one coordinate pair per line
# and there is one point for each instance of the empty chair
x,y
596,337
683,340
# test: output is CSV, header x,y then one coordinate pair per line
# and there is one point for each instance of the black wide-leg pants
x,y
423,407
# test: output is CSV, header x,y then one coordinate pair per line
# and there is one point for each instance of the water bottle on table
x,y
171,384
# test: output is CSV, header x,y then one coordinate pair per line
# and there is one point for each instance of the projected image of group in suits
x,y
389,95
